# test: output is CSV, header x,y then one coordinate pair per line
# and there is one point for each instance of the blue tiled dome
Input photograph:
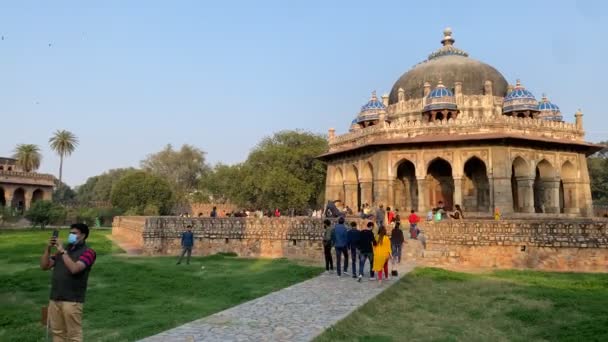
x,y
440,91
519,99
371,110
548,110
440,98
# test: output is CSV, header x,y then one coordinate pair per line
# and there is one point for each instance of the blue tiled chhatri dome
x,y
519,99
548,110
440,98
371,110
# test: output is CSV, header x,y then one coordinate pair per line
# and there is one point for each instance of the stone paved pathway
x,y
297,313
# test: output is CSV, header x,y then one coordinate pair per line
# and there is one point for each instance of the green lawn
x,y
132,297
437,305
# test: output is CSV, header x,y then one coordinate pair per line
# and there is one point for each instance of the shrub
x,y
43,213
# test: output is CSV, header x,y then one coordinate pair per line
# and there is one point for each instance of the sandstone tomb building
x,y
19,189
453,129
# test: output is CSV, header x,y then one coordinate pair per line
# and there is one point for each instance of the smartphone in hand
x,y
55,235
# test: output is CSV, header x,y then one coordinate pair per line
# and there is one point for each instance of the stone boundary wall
x,y
129,228
564,245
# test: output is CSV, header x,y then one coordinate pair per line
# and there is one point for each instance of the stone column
x,y
422,200
570,197
381,192
350,195
333,192
491,191
551,195
28,199
390,200
457,191
399,195
366,192
525,194
8,196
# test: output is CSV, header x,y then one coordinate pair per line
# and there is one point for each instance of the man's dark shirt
x,y
69,287
366,241
353,238
187,239
397,236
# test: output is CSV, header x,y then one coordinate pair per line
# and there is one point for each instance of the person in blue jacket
x,y
339,238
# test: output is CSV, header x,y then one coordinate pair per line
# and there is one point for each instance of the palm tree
x,y
28,157
63,143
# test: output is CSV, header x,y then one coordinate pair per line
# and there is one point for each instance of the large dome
x,y
449,65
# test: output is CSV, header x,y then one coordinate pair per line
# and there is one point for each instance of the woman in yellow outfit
x,y
382,253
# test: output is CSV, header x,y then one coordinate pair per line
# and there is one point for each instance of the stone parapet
x,y
564,245
498,124
27,178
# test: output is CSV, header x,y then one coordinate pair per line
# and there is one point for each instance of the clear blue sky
x,y
128,77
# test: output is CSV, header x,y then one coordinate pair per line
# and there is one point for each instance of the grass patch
x,y
431,304
131,298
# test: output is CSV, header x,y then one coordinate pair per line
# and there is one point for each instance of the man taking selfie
x,y
71,265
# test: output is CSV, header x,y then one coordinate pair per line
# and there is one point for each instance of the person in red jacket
x,y
277,213
413,219
390,215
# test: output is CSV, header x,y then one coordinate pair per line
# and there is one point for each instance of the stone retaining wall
x,y
565,245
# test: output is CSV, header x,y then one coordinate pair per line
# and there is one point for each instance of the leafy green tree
x,y
63,143
182,168
598,174
220,185
42,213
136,191
63,194
28,157
281,172
99,188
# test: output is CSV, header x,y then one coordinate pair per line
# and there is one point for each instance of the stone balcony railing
x,y
402,128
27,177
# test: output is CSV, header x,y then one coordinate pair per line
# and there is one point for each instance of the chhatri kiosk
x,y
453,129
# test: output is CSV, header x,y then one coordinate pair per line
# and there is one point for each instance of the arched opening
x,y
2,198
546,188
439,116
1,167
38,195
567,189
440,184
520,185
476,186
406,187
19,200
10,168
337,186
449,115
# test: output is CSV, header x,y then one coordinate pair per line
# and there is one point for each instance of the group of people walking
x,y
362,245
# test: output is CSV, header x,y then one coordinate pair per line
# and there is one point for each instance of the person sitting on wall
x,y
213,212
458,214
348,210
367,211
187,244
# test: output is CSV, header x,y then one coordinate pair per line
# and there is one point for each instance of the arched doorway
x,y
2,198
475,186
37,195
406,187
521,186
336,187
567,190
19,200
440,184
546,188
